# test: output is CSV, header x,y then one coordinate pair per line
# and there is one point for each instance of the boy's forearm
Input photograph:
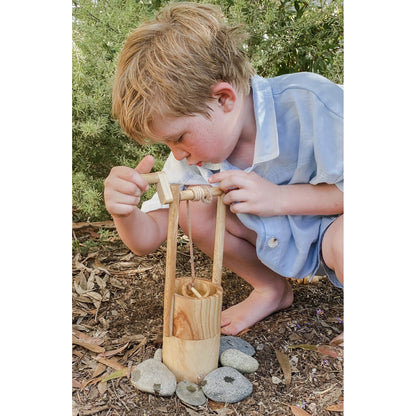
x,y
306,199
142,232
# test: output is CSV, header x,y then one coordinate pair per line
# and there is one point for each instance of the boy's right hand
x,y
124,186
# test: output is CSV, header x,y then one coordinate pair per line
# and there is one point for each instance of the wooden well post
x,y
192,325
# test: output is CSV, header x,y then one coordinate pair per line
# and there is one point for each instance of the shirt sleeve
x,y
327,133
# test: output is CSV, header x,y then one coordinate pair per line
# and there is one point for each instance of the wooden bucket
x,y
193,349
192,325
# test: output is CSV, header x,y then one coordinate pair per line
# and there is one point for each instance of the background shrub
x,y
285,36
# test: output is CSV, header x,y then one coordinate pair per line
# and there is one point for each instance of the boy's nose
x,y
179,154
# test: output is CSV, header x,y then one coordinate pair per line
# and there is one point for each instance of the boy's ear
x,y
225,95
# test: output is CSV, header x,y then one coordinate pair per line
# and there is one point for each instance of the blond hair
x,y
171,63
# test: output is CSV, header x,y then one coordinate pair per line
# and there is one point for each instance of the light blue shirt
x,y
299,119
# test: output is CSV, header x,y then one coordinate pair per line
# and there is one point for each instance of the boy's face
x,y
198,139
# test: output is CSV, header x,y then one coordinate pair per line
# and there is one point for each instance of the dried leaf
x,y
339,407
102,387
94,295
99,369
131,353
143,269
87,338
106,295
116,283
80,283
76,384
100,282
83,299
244,331
338,340
215,405
90,283
297,411
190,411
329,350
284,363
224,412
114,364
108,354
88,346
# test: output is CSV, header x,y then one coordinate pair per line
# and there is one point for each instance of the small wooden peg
x,y
195,292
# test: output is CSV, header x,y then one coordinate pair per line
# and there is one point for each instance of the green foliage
x,y
99,30
289,36
285,36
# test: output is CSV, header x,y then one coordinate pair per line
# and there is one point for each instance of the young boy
x,y
275,146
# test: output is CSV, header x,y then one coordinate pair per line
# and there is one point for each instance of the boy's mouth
x,y
195,164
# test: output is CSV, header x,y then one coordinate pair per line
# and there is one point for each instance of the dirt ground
x,y
117,323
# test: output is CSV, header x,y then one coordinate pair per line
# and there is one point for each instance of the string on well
x,y
202,193
191,249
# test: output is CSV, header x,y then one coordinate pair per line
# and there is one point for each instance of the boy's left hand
x,y
248,192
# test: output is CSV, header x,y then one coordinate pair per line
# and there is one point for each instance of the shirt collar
x,y
267,139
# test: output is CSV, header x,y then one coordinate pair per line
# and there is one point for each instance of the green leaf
x,y
116,374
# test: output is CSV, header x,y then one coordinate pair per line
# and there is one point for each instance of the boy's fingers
x,y
145,165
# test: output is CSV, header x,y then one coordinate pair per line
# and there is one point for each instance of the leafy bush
x,y
285,36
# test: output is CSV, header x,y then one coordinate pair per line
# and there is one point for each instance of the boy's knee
x,y
333,247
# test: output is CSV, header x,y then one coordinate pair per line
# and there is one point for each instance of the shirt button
x,y
272,242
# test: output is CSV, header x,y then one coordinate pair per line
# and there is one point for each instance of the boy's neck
x,y
243,153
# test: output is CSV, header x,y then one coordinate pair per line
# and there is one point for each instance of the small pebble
x,y
190,393
228,341
276,380
152,376
226,385
239,360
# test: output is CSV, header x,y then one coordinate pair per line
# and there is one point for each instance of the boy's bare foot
x,y
338,341
258,305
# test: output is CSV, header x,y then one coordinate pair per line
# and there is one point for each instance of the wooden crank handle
x,y
151,178
162,185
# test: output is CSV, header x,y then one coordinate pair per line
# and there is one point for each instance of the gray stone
x,y
228,341
152,376
158,354
239,360
226,385
190,393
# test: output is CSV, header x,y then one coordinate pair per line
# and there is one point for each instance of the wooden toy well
x,y
192,324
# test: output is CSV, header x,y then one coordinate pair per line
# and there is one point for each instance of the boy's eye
x,y
180,139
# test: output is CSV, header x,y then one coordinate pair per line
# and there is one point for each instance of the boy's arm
x,y
250,193
306,199
143,232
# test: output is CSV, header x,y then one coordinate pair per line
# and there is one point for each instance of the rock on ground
x,y
239,360
228,341
152,376
226,385
190,393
